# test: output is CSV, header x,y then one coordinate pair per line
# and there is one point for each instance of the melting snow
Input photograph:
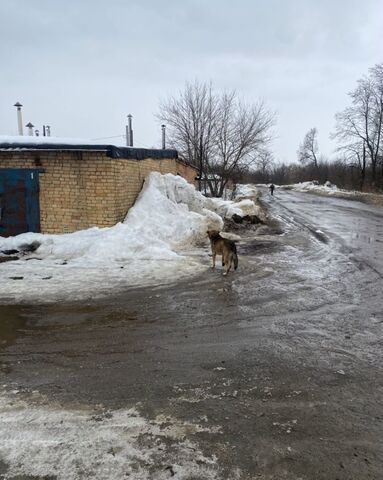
x,y
314,186
155,244
38,439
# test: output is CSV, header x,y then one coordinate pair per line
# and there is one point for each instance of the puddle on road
x,y
11,322
16,320
255,247
32,324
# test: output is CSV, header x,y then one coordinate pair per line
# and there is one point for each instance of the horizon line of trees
x,y
337,172
229,139
358,164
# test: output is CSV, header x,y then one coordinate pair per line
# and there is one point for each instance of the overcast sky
x,y
83,65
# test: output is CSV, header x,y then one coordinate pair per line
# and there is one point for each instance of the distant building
x,y
53,185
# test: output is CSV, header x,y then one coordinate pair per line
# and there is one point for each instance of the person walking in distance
x,y
272,187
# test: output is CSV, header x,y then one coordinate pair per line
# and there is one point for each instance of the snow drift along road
x,y
149,247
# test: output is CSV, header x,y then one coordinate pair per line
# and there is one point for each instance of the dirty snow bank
x,y
153,245
168,214
246,191
246,197
329,189
40,440
314,186
227,208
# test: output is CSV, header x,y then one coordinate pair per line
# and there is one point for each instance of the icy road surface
x,y
354,225
274,372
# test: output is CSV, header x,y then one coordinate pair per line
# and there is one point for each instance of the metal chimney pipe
x,y
127,135
19,118
30,128
130,131
37,133
163,128
48,131
44,131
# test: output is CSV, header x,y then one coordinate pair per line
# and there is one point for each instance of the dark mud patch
x,y
12,321
270,227
8,259
232,226
255,247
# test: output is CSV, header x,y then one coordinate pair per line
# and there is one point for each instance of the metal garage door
x,y
19,201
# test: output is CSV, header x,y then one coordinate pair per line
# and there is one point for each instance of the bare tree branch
x,y
308,149
217,133
362,122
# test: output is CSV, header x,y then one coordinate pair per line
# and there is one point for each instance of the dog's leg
x,y
228,268
213,267
227,263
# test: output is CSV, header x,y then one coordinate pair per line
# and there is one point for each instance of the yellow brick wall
x,y
83,189
130,176
189,173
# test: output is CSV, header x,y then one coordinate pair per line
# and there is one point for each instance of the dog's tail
x,y
235,260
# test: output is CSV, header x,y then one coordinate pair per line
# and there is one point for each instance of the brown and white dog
x,y
226,248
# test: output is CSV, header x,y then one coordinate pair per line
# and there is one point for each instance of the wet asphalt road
x,y
284,356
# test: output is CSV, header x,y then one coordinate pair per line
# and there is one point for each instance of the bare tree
x,y
355,155
264,162
361,124
242,131
218,133
191,118
308,149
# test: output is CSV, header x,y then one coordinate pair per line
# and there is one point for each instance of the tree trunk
x,y
373,174
363,170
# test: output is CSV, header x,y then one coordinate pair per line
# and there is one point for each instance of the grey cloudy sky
x,y
82,65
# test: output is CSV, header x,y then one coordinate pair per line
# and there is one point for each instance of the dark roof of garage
x,y
112,151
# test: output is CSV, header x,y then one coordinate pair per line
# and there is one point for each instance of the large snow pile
x,y
154,244
245,197
227,208
246,191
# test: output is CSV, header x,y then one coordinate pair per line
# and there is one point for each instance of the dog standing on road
x,y
226,248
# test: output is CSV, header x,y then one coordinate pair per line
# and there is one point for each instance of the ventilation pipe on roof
x,y
48,130
30,128
163,128
19,118
129,132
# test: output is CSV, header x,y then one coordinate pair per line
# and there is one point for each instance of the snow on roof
x,y
22,140
114,149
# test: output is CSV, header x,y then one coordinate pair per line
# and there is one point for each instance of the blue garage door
x,y
19,201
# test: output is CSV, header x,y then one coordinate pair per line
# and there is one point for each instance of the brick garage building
x,y
58,188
